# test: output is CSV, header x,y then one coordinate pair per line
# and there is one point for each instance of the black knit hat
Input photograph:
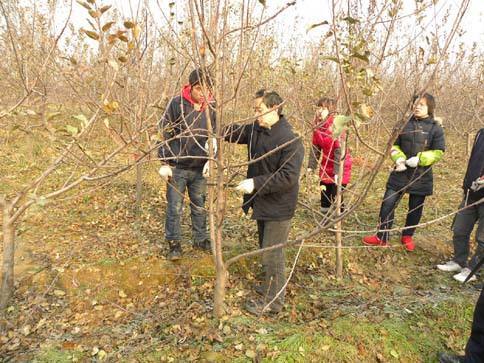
x,y
198,76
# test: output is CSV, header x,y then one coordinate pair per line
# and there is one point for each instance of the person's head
x,y
325,106
201,83
423,106
267,107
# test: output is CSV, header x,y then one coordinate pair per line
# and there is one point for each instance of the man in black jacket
x,y
470,212
275,155
463,225
184,155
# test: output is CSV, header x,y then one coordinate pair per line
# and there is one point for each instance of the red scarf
x,y
187,94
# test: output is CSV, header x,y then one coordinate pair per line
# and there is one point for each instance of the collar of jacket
x,y
187,95
426,119
274,127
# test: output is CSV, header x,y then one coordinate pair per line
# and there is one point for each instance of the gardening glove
x,y
429,157
214,143
397,153
412,162
165,172
246,186
206,170
400,165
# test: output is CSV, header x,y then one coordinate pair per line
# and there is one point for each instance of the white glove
x,y
165,172
400,165
412,162
477,184
246,186
214,143
206,170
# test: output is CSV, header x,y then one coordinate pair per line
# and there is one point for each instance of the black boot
x,y
175,251
203,245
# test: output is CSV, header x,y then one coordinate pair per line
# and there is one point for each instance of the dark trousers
x,y
196,184
475,344
328,195
462,227
387,212
273,262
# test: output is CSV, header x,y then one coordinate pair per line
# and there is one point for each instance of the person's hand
x,y
400,165
246,186
412,162
206,170
477,184
165,172
214,143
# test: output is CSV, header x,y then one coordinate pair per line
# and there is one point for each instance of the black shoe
x,y
450,358
204,245
175,252
256,306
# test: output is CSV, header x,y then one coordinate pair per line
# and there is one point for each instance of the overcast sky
x,y
298,18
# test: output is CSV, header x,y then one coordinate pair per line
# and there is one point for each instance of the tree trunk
x,y
8,229
338,225
219,291
220,268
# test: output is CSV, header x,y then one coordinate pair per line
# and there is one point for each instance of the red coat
x,y
323,139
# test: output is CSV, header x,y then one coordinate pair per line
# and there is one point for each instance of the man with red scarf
x,y
185,127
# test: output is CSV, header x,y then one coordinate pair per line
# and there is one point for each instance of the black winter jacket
x,y
186,130
276,176
475,167
417,136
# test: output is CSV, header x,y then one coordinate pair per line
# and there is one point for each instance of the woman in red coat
x,y
329,147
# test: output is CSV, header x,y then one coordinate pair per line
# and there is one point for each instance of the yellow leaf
x,y
136,31
129,24
95,14
131,45
366,111
112,38
91,34
83,4
107,26
105,8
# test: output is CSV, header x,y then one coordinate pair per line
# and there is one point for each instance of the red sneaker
x,y
374,241
407,241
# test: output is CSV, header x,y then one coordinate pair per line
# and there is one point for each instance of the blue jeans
x,y
193,180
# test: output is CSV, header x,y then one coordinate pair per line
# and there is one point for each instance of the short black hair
x,y
270,99
329,103
430,102
198,76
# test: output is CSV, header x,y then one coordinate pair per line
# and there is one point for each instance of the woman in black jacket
x,y
420,144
